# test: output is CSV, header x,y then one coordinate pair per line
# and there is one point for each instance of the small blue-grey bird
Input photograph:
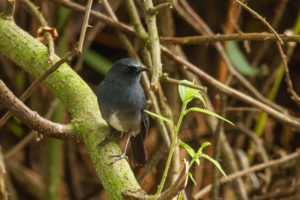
x,y
121,100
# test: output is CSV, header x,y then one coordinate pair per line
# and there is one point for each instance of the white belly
x,y
115,123
121,126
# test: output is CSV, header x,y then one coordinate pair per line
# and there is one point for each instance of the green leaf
x,y
159,117
186,93
216,163
180,197
238,59
200,97
209,113
205,144
189,149
192,178
97,62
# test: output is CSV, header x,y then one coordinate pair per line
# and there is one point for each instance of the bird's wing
x,y
145,120
137,142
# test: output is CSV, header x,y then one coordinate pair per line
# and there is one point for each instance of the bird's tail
x,y
138,148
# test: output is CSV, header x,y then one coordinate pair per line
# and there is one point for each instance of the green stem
x,y
172,149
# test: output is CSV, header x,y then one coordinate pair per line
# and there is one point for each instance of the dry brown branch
x,y
206,39
43,23
154,43
32,133
179,82
107,20
85,25
288,80
3,192
205,30
272,163
263,20
9,10
232,92
31,118
171,192
36,83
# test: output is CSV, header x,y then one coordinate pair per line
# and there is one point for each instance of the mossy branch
x,y
78,98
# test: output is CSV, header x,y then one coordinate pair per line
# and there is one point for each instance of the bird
x,y
122,103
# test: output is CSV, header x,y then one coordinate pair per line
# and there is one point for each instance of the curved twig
x,y
31,118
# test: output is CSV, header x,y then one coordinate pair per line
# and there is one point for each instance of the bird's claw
x,y
103,143
118,157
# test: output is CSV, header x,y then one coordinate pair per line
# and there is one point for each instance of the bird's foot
x,y
104,142
110,136
118,157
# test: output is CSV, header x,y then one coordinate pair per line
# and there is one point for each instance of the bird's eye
x,y
126,68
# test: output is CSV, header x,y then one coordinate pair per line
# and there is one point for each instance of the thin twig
x,y
179,82
31,118
271,163
9,10
3,192
136,21
259,147
154,10
217,150
97,15
206,39
36,83
32,133
280,10
288,81
154,44
43,23
241,109
207,31
232,92
263,20
85,25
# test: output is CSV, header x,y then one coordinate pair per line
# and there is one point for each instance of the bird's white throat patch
x,y
115,122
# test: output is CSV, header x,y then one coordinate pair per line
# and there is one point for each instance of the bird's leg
x,y
110,136
122,155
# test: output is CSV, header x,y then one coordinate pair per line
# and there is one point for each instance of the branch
x,y
9,10
44,23
3,192
206,39
31,118
97,15
79,100
170,193
263,20
154,10
154,44
288,81
232,92
85,25
271,163
179,82
32,133
36,83
178,186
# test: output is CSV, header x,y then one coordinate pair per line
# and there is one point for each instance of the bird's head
x,y
126,69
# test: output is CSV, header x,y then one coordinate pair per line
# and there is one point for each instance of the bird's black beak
x,y
140,69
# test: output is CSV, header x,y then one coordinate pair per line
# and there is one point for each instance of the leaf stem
x,y
172,148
